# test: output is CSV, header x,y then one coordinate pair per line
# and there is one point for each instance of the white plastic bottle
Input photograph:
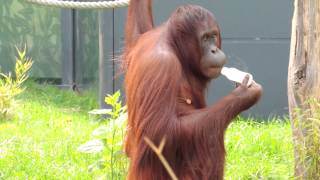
x,y
236,75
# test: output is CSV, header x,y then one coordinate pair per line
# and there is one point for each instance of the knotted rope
x,y
81,5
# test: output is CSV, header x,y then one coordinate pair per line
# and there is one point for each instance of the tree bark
x,y
304,78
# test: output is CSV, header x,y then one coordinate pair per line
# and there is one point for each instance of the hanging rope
x,y
81,5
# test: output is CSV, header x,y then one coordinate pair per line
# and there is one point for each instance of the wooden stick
x,y
158,151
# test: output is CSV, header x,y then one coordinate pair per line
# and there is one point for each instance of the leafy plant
x,y
108,140
11,86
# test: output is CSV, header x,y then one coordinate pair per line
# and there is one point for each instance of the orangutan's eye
x,y
206,37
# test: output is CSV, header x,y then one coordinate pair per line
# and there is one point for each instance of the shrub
x,y
11,86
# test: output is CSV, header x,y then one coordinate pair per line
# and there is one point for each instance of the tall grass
x,y
307,140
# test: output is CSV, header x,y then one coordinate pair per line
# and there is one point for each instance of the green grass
x,y
41,141
259,150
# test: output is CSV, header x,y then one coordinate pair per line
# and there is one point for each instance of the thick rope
x,y
81,5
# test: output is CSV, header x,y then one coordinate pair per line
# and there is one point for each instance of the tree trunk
x,y
304,84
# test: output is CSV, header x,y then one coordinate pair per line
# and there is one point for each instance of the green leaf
x,y
21,53
100,111
93,146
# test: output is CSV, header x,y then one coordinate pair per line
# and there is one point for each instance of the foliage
x,y
88,45
109,139
307,139
40,27
10,86
37,26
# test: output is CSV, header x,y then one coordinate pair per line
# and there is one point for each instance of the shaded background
x,y
64,44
